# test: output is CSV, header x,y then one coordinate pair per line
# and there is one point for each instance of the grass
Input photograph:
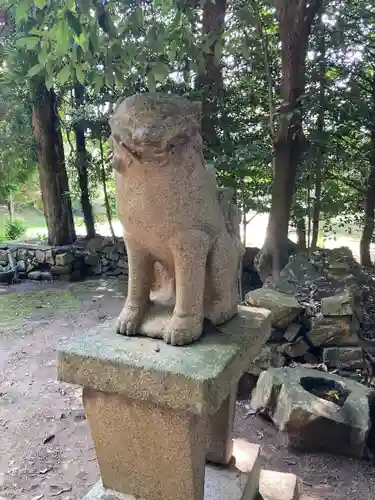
x,y
15,308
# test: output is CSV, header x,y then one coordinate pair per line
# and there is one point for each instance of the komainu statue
x,y
181,233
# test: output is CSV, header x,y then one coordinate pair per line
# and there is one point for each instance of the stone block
x,y
64,259
151,406
219,484
40,256
284,308
337,305
296,349
50,257
292,332
35,275
343,358
271,355
333,330
60,270
278,486
196,378
92,259
313,423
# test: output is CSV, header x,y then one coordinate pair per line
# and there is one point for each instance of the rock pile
x,y
95,257
317,315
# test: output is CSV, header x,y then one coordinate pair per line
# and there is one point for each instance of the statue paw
x,y
129,320
183,330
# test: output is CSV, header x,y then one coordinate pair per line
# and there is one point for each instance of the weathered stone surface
x,y
92,259
40,256
278,486
152,210
61,270
299,271
296,349
219,483
269,355
64,259
332,330
50,257
337,305
284,308
21,266
344,358
276,335
34,275
311,423
292,332
196,378
46,276
122,264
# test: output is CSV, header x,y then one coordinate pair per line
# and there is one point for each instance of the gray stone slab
x,y
196,378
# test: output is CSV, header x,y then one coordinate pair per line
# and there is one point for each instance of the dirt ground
x,y
45,447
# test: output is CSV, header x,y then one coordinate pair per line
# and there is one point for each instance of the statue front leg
x,y
140,277
190,251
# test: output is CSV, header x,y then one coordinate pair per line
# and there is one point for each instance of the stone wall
x,y
96,257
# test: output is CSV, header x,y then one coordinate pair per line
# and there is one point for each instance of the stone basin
x,y
312,423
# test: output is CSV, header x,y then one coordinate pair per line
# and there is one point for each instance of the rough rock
x,y
34,275
50,257
276,335
92,259
292,332
284,308
313,424
40,256
296,349
270,355
332,330
64,259
46,276
61,270
343,358
337,305
299,271
278,486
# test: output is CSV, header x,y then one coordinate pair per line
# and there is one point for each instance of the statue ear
x,y
197,109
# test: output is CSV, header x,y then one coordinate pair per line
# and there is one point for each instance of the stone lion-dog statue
x,y
174,225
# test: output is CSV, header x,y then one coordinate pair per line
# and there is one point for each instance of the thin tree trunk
x,y
104,183
52,171
82,167
369,216
10,206
295,20
301,234
319,165
210,80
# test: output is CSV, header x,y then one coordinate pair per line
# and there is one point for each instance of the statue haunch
x,y
168,205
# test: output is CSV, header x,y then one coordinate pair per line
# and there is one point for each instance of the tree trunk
x,y
104,183
52,172
320,128
210,79
295,19
82,164
301,234
369,216
10,206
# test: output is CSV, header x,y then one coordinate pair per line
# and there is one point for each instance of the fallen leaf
x,y
38,497
44,471
61,491
48,438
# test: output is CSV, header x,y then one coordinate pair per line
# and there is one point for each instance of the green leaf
x,y
35,70
40,3
22,11
94,40
80,74
63,39
28,41
74,23
151,82
63,75
83,42
109,77
49,81
139,17
160,71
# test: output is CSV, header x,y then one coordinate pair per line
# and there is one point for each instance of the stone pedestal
x,y
158,412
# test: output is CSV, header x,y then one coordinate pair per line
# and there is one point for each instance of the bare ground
x,y
45,447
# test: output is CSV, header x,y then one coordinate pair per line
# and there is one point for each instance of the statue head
x,y
147,128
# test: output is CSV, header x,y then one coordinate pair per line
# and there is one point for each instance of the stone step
x,y
278,486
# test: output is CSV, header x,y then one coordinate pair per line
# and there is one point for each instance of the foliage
x,y
14,229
